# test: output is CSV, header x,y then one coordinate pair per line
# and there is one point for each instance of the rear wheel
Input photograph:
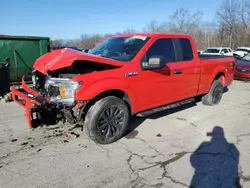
x,y
215,94
107,120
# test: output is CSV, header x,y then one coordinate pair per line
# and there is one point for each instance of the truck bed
x,y
208,56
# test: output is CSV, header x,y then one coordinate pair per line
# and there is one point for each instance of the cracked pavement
x,y
169,149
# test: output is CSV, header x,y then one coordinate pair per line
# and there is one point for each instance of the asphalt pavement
x,y
196,144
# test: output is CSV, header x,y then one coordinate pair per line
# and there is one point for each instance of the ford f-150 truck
x,y
126,74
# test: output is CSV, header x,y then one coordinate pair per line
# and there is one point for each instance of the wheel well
x,y
117,93
221,77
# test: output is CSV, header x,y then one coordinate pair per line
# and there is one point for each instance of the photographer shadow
x,y
215,163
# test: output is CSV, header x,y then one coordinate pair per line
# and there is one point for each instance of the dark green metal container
x,y
21,52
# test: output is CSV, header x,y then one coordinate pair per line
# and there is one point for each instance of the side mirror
x,y
222,52
154,62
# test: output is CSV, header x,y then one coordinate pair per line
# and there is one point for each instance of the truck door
x,y
188,67
158,87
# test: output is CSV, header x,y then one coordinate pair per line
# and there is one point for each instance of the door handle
x,y
177,72
196,70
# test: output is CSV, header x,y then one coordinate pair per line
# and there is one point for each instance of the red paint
x,y
29,90
29,103
154,88
62,58
80,105
211,67
148,89
28,115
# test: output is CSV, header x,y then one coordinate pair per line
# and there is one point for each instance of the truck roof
x,y
218,48
154,35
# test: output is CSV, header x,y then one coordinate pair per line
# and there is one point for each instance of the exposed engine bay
x,y
58,85
52,97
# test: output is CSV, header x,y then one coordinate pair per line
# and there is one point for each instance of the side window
x,y
187,51
225,50
229,50
161,47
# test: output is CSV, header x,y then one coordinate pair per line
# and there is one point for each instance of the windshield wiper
x,y
101,55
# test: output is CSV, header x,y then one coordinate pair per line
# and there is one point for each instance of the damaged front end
x,y
53,102
52,96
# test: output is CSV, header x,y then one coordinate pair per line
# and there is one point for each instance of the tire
x,y
107,120
215,94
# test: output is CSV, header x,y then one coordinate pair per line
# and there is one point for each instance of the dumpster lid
x,y
23,37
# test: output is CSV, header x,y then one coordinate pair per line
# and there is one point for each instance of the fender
x,y
91,91
212,75
219,69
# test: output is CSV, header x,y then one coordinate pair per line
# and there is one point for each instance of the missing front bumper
x,y
36,106
39,109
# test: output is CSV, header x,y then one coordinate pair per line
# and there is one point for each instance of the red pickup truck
x,y
125,75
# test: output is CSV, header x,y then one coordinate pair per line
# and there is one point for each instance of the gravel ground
x,y
170,149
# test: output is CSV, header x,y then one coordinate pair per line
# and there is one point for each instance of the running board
x,y
163,108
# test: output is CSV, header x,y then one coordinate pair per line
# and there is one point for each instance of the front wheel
x,y
106,120
215,94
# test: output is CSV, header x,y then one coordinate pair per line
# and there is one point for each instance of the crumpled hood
x,y
63,58
242,64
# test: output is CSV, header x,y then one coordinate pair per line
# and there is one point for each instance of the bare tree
x,y
57,43
130,30
183,21
233,19
154,27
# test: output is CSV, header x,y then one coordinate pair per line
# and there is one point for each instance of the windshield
x,y
246,58
244,50
210,50
120,48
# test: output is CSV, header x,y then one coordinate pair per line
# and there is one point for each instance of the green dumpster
x,y
21,52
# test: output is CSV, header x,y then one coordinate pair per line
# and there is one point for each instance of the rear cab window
x,y
184,51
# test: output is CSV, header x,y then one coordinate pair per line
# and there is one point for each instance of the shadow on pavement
x,y
215,163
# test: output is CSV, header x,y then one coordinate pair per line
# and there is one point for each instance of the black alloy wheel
x,y
107,120
217,94
111,121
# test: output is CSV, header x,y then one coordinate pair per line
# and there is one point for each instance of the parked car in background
x,y
56,48
73,48
218,51
242,68
242,51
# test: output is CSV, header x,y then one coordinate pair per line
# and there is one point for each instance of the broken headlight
x,y
61,90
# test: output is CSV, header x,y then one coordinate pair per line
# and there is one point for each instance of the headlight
x,y
61,90
34,80
34,77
